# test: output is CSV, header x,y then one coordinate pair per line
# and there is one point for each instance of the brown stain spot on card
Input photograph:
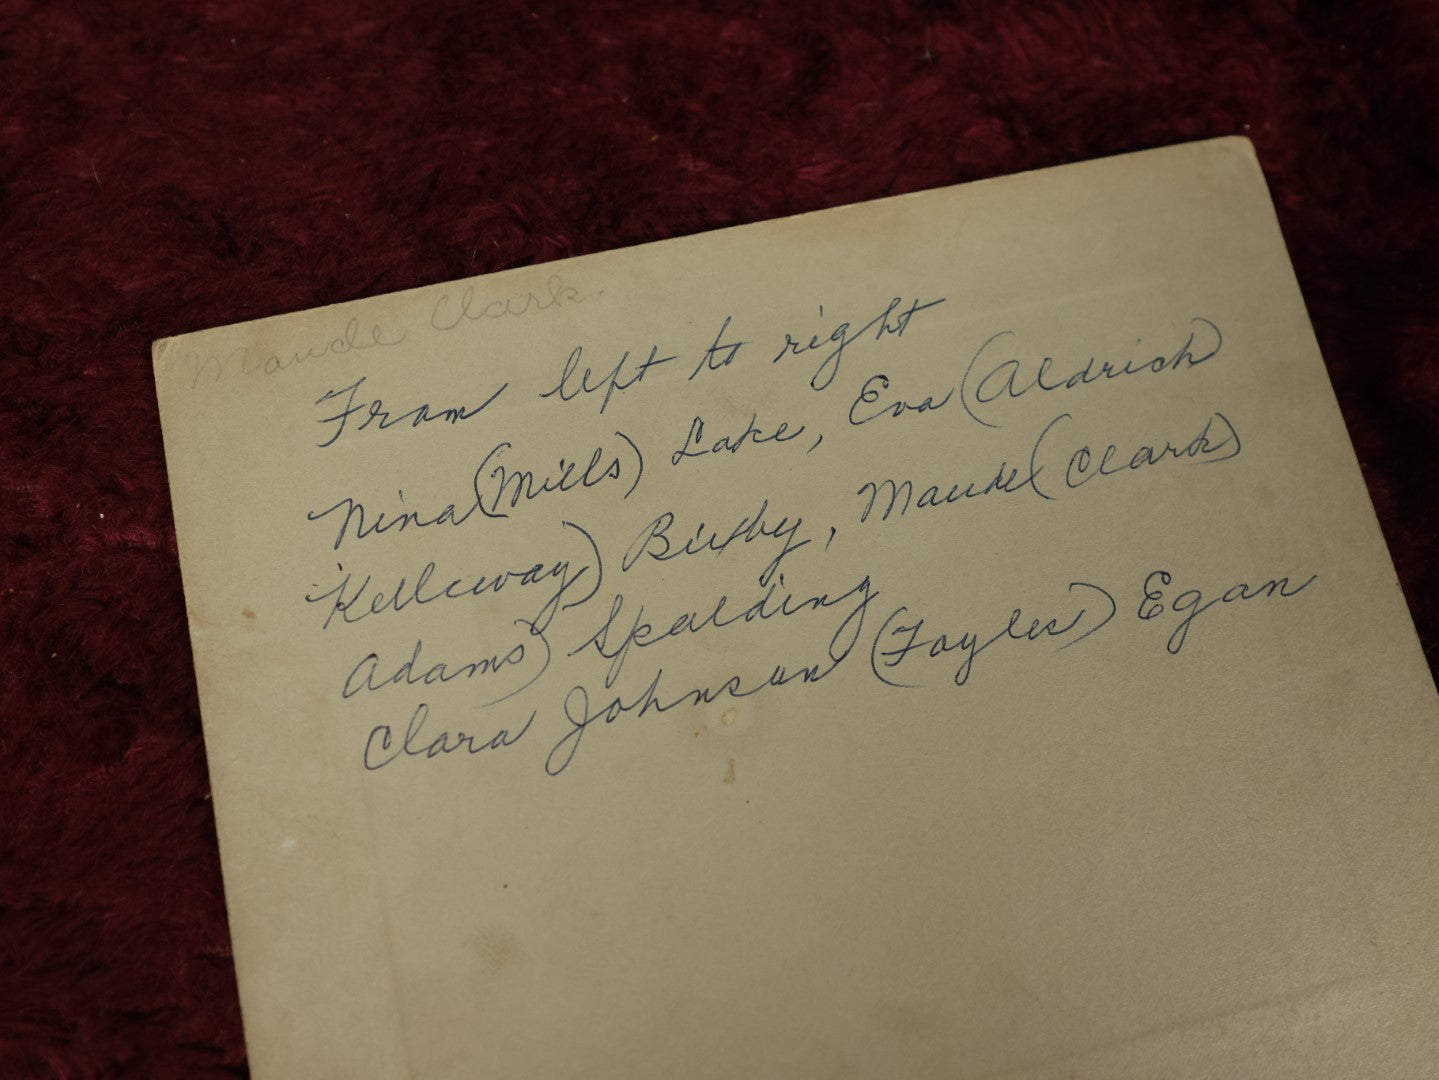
x,y
247,613
729,772
497,948
727,718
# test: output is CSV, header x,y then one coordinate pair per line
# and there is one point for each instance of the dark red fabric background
x,y
165,168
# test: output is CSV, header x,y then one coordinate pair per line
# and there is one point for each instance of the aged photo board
x,y
946,636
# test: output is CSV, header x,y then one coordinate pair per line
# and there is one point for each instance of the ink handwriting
x,y
380,749
353,598
698,444
1217,441
893,320
641,594
1190,604
382,418
987,379
496,488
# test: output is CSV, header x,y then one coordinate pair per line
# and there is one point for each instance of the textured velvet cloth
x,y
169,167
